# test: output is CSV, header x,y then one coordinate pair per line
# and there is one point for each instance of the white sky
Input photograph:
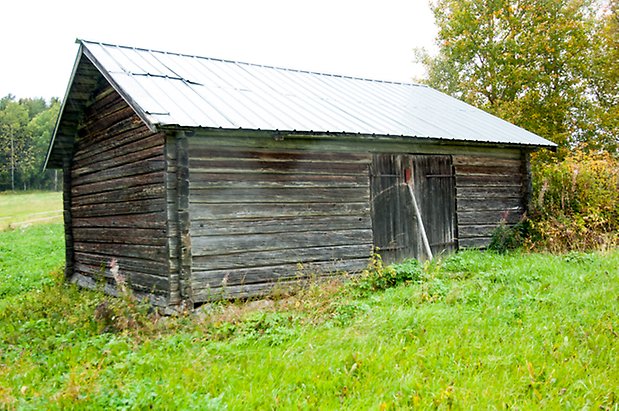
x,y
365,38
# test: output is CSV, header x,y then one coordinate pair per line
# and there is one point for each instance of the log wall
x,y
118,198
259,217
488,189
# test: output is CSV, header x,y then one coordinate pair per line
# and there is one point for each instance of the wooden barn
x,y
207,178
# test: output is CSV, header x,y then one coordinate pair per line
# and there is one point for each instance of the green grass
x,y
475,331
21,209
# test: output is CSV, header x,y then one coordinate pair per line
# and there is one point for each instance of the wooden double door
x,y
413,205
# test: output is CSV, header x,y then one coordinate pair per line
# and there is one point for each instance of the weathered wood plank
x,y
145,252
231,226
147,220
108,119
477,242
228,244
140,236
487,180
287,167
146,192
489,216
119,184
248,290
143,167
263,210
514,191
197,151
141,150
480,204
115,209
474,170
136,279
476,230
124,132
281,257
201,179
125,263
271,274
279,195
460,160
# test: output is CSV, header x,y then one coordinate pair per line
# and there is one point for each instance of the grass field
x,y
475,331
21,209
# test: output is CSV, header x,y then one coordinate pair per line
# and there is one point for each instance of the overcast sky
x,y
367,38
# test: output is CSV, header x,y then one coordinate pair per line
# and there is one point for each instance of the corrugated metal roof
x,y
172,89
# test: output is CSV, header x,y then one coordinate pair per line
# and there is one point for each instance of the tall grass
x,y
474,331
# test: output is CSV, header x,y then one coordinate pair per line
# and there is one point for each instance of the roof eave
x,y
313,134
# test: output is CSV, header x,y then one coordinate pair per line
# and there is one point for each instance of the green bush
x,y
575,204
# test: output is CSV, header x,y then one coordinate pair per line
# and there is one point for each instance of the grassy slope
x,y
20,208
477,331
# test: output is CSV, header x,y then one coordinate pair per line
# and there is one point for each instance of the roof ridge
x,y
268,66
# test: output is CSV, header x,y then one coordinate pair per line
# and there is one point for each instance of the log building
x,y
207,178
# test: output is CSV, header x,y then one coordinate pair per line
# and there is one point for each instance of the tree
x,y
26,127
526,61
604,80
15,144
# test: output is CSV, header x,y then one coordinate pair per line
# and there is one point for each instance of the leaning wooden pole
x,y
424,236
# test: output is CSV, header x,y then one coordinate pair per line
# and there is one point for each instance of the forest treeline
x,y
26,127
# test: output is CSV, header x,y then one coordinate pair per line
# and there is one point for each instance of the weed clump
x,y
377,276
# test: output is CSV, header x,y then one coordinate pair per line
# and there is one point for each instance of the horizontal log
x,y
135,279
247,290
197,151
145,252
201,179
489,217
477,242
146,192
285,167
459,160
233,226
156,297
476,230
235,244
271,274
281,257
279,195
514,191
142,236
117,209
464,170
142,149
147,220
100,122
481,204
119,184
142,167
120,134
259,210
488,180
102,261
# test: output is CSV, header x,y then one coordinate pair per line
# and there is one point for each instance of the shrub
x,y
575,204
